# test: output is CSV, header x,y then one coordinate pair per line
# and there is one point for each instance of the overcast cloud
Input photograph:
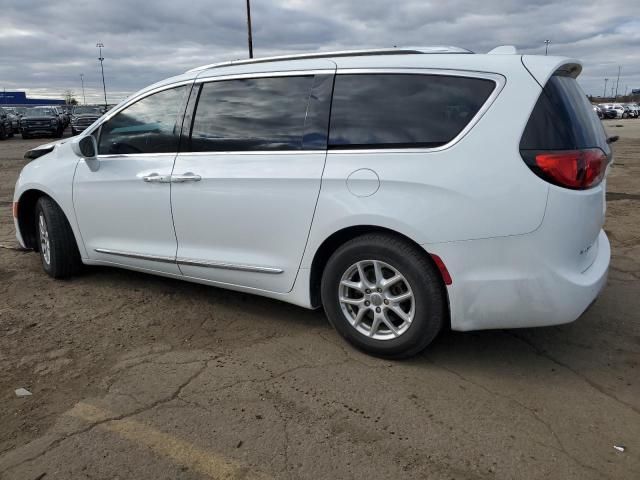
x,y
45,46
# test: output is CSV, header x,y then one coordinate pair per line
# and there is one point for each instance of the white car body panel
x,y
249,210
120,212
510,240
52,174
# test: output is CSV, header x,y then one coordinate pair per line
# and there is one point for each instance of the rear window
x,y
563,119
403,110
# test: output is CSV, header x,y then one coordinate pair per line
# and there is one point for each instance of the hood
x,y
43,149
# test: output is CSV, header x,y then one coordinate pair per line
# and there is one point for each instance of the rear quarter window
x,y
403,110
563,119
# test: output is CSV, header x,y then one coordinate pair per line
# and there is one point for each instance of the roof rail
x,y
339,53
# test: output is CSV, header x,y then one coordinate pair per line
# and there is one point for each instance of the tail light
x,y
574,169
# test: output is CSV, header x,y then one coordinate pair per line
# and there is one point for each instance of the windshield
x,y
40,111
86,110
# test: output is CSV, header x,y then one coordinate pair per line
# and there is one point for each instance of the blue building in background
x,y
20,98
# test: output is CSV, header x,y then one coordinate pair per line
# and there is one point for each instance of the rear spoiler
x,y
541,67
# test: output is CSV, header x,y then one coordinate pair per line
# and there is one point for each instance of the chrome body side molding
x,y
140,256
191,262
228,266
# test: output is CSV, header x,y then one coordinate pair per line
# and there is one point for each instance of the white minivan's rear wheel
x,y
384,295
56,243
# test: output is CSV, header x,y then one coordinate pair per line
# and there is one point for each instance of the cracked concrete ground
x,y
140,377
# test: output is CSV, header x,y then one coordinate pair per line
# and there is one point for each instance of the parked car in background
x,y
41,120
20,111
616,110
83,116
6,130
66,119
634,111
14,118
319,180
608,111
598,111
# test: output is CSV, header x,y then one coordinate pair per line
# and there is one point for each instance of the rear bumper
x,y
509,282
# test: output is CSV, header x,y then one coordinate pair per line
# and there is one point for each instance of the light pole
x,y
249,36
605,87
618,80
101,58
84,100
546,46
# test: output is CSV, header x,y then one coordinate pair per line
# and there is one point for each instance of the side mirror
x,y
85,146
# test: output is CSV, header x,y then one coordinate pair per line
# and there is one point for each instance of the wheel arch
x,y
338,238
26,216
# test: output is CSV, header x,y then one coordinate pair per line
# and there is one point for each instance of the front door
x,y
123,200
252,168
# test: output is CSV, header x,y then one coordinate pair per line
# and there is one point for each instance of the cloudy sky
x,y
45,46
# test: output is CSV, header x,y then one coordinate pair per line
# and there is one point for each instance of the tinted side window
x,y
403,110
563,119
251,114
151,125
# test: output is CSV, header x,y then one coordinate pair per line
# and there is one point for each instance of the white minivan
x,y
403,190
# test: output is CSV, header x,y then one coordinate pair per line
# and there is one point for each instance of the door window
x,y
151,125
253,114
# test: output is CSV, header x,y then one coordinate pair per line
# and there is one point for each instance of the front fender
x,y
52,175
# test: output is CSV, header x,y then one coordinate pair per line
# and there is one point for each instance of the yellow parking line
x,y
180,451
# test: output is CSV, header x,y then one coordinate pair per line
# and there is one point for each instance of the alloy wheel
x,y
45,245
376,299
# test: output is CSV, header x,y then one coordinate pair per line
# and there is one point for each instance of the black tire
x,y
25,135
10,134
73,132
3,133
63,259
424,280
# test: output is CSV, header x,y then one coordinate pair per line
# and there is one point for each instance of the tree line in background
x,y
69,98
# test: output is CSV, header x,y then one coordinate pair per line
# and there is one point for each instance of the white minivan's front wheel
x,y
384,295
56,243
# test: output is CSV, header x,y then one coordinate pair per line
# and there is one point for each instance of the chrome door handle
x,y
185,177
156,178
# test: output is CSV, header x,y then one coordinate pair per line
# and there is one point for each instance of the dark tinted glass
x,y
151,125
563,119
251,114
398,110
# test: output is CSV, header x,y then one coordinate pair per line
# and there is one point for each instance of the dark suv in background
x,y
83,116
5,124
41,120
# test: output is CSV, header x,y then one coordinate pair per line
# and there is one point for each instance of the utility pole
x,y
618,80
250,39
100,45
84,100
546,46
604,94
